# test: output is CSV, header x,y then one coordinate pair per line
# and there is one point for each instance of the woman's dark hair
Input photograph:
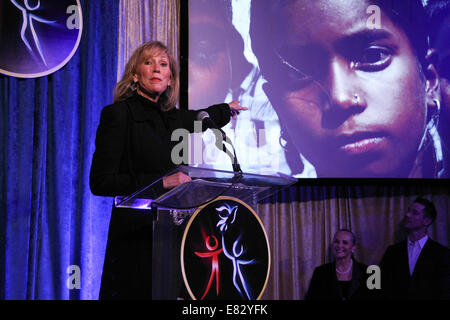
x,y
409,15
351,233
437,11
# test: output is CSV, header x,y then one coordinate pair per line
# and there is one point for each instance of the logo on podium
x,y
225,252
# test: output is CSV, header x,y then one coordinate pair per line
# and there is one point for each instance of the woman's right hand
x,y
175,179
235,108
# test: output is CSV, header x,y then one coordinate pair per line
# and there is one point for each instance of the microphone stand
x,y
204,117
235,164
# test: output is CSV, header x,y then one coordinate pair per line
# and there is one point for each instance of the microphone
x,y
204,117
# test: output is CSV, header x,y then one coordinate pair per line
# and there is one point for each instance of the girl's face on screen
x,y
352,97
209,60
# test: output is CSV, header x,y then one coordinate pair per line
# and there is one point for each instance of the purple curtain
x,y
49,219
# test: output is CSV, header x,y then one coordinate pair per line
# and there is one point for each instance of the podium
x,y
184,224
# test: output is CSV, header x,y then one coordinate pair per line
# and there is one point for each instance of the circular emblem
x,y
225,252
38,36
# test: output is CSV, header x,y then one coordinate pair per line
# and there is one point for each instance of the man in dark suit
x,y
419,267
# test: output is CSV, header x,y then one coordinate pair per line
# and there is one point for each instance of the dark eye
x,y
206,52
372,59
206,43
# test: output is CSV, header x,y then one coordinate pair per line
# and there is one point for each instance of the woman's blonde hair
x,y
124,89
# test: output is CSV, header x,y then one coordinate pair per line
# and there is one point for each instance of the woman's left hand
x,y
235,108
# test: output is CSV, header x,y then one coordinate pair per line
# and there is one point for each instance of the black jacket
x,y
133,149
431,276
133,143
324,284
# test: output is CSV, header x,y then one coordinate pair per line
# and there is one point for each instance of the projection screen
x,y
334,88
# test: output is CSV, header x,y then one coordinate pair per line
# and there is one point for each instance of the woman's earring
x,y
437,114
282,140
438,105
133,86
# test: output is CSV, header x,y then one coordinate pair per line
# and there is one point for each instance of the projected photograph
x,y
334,89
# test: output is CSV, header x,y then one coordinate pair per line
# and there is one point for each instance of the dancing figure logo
x,y
38,36
234,267
213,254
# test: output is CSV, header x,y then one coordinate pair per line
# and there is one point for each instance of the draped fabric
x,y
301,221
50,222
141,21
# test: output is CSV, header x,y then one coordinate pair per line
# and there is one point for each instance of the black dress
x,y
324,284
133,149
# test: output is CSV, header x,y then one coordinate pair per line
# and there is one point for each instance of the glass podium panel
x,y
177,206
206,185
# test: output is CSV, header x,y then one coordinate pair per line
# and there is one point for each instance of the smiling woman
x,y
362,96
343,279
